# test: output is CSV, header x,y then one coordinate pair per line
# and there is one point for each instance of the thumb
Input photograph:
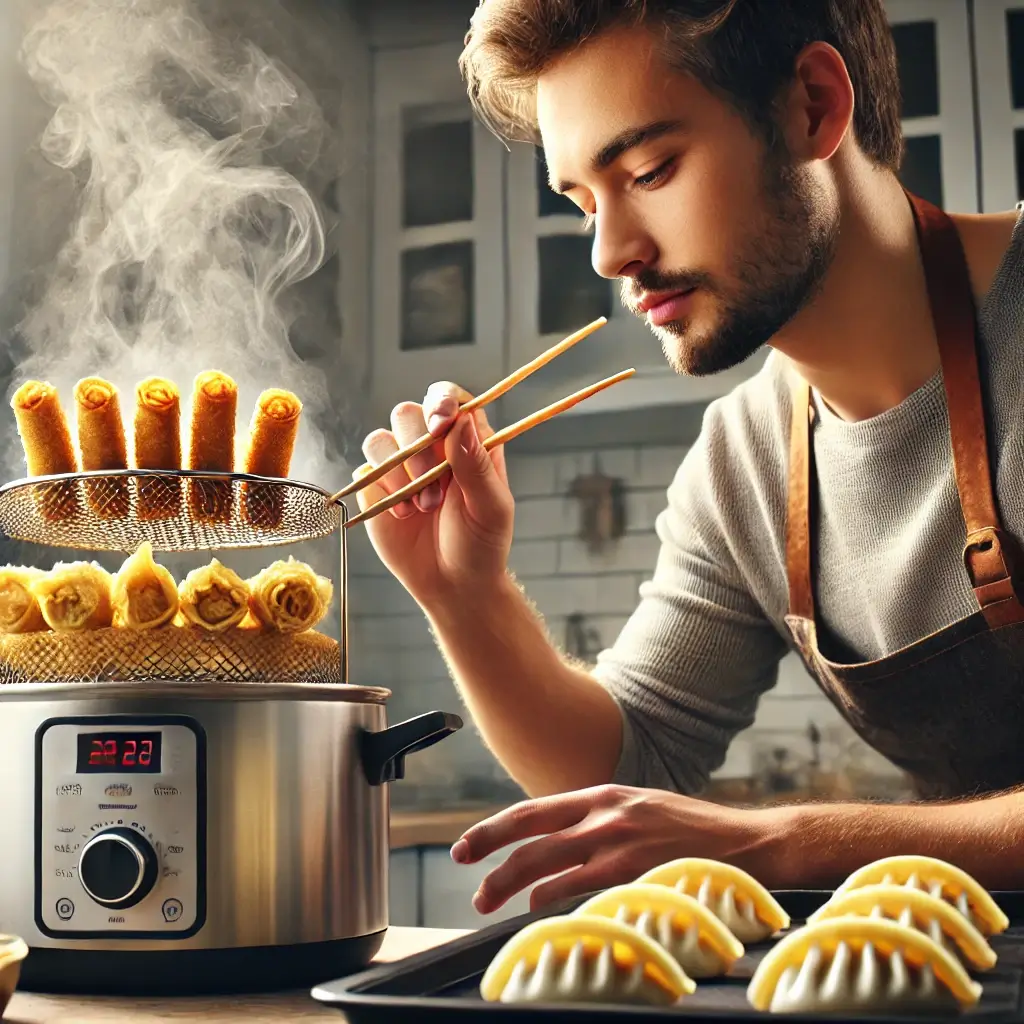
x,y
487,498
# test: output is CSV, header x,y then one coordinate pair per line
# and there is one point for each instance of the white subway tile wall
x,y
392,646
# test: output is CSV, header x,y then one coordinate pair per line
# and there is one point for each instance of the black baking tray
x,y
442,985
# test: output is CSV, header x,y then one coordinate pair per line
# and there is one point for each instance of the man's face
x,y
717,243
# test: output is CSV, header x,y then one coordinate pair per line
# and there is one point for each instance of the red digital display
x,y
119,752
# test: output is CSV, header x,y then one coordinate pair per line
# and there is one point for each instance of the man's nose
x,y
621,247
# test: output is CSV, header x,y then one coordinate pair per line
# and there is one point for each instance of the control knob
x,y
118,867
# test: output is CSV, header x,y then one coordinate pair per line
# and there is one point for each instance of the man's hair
x,y
742,50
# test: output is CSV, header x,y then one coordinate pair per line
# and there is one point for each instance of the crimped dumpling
x,y
583,959
929,874
736,898
74,596
913,908
698,941
860,965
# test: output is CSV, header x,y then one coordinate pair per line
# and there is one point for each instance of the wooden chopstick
x,y
500,437
367,474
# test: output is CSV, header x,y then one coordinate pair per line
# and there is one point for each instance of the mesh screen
x,y
174,511
172,654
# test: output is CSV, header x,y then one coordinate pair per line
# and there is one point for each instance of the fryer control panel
x,y
120,845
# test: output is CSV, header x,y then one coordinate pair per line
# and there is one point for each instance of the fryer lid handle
x,y
383,753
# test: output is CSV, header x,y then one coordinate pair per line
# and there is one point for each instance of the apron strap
x,y
987,553
798,515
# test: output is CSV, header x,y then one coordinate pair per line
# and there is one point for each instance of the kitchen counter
x,y
29,1008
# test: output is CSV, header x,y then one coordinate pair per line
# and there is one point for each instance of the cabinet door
x,y
933,49
999,55
448,891
438,283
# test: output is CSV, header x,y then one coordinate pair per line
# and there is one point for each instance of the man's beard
x,y
779,272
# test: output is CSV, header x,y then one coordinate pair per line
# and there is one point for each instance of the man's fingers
x,y
371,493
408,425
527,864
377,447
524,820
595,875
441,403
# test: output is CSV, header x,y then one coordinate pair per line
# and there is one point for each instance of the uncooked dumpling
x,y
860,965
941,879
736,898
698,941
913,908
583,959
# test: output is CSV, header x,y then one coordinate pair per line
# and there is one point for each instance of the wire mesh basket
x,y
179,654
175,510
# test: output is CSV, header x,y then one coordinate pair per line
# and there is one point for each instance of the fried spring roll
x,y
102,445
213,597
74,596
158,446
48,447
272,434
144,594
289,597
212,444
19,607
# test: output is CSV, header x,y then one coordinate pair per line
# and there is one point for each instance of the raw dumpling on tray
x,y
929,874
860,965
913,908
736,898
694,937
584,959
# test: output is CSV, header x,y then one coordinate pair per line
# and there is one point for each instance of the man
x,y
738,160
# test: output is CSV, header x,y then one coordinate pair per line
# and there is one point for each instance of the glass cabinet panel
x,y
437,168
936,92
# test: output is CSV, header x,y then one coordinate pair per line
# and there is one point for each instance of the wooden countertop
x,y
29,1008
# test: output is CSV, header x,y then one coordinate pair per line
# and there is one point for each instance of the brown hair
x,y
743,50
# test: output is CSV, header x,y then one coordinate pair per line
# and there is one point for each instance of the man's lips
x,y
662,307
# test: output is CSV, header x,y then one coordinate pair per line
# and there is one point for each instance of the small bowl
x,y
12,951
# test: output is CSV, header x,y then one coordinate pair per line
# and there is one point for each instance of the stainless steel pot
x,y
249,851
221,830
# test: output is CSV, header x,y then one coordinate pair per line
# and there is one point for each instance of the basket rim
x,y
344,693
172,474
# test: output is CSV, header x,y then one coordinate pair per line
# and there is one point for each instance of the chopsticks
x,y
500,437
366,474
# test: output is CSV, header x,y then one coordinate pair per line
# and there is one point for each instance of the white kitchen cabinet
x,y
438,238
404,888
448,890
933,49
999,57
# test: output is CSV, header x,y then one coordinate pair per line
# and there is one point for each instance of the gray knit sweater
x,y
705,641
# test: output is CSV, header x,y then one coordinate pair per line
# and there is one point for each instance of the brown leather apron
x,y
948,709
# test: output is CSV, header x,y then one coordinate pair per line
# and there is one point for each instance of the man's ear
x,y
817,109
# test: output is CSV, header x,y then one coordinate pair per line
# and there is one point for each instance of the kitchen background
x,y
446,258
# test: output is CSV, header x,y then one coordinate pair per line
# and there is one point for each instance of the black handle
x,y
384,752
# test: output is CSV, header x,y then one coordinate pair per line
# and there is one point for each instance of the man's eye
x,y
653,177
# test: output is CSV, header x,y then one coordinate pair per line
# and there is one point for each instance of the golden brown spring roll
x,y
158,446
19,607
214,597
102,445
272,434
212,444
48,447
74,596
144,594
289,597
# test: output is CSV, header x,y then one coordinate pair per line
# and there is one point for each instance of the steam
x,y
191,222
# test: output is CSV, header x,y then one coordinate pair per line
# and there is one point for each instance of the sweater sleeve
x,y
692,661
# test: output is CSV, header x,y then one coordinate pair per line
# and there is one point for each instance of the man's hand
x,y
609,835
